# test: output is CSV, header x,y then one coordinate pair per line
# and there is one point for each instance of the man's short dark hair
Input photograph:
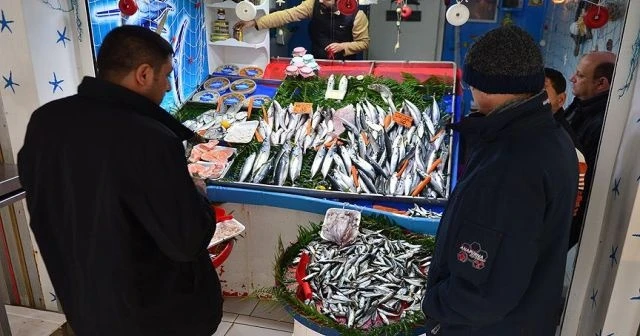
x,y
604,69
127,47
558,82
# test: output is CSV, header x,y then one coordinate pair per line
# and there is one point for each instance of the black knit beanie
x,y
505,60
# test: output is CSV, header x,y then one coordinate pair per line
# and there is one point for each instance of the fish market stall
x,y
378,145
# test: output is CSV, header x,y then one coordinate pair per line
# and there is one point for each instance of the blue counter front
x,y
311,205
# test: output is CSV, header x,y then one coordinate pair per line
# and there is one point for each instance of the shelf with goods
x,y
254,48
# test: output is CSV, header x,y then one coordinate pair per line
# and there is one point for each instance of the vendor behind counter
x,y
332,33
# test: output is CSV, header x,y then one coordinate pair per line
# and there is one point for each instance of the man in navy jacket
x,y
501,247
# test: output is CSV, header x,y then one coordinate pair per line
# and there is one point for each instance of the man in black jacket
x,y
591,84
501,244
122,228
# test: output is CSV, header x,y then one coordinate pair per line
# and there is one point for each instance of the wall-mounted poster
x,y
483,10
183,20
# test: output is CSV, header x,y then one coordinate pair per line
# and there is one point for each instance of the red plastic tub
x,y
220,251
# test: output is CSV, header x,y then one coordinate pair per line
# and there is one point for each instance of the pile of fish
x,y
418,211
372,282
377,155
210,124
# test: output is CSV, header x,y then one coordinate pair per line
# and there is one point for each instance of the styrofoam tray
x,y
235,228
241,132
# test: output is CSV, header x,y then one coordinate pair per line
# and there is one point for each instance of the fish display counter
x,y
372,141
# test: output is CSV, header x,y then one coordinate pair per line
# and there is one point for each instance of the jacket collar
x,y
119,96
560,114
593,105
519,116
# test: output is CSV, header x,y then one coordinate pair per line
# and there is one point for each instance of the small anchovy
x,y
372,282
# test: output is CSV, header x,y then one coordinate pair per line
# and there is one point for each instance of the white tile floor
x,y
31,322
249,317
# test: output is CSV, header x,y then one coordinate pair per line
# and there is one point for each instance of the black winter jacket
x,y
121,227
500,255
586,120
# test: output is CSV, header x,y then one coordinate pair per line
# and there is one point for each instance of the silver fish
x,y
308,141
368,284
340,164
408,183
295,164
413,111
437,183
271,114
263,156
275,136
279,113
435,112
367,184
429,123
315,120
282,170
345,178
317,160
393,183
346,159
328,160
263,171
365,166
248,165
385,93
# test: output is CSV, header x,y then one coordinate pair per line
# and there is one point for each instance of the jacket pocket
x,y
473,254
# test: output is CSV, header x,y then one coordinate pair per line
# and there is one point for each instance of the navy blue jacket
x,y
501,247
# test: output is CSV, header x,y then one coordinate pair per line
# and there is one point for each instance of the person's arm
x,y
505,232
163,198
360,35
283,17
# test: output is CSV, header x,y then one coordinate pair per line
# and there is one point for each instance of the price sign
x,y
303,108
403,119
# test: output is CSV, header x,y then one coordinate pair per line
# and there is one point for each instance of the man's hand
x,y
334,48
244,24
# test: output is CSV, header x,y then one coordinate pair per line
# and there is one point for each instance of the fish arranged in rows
x,y
372,282
377,155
